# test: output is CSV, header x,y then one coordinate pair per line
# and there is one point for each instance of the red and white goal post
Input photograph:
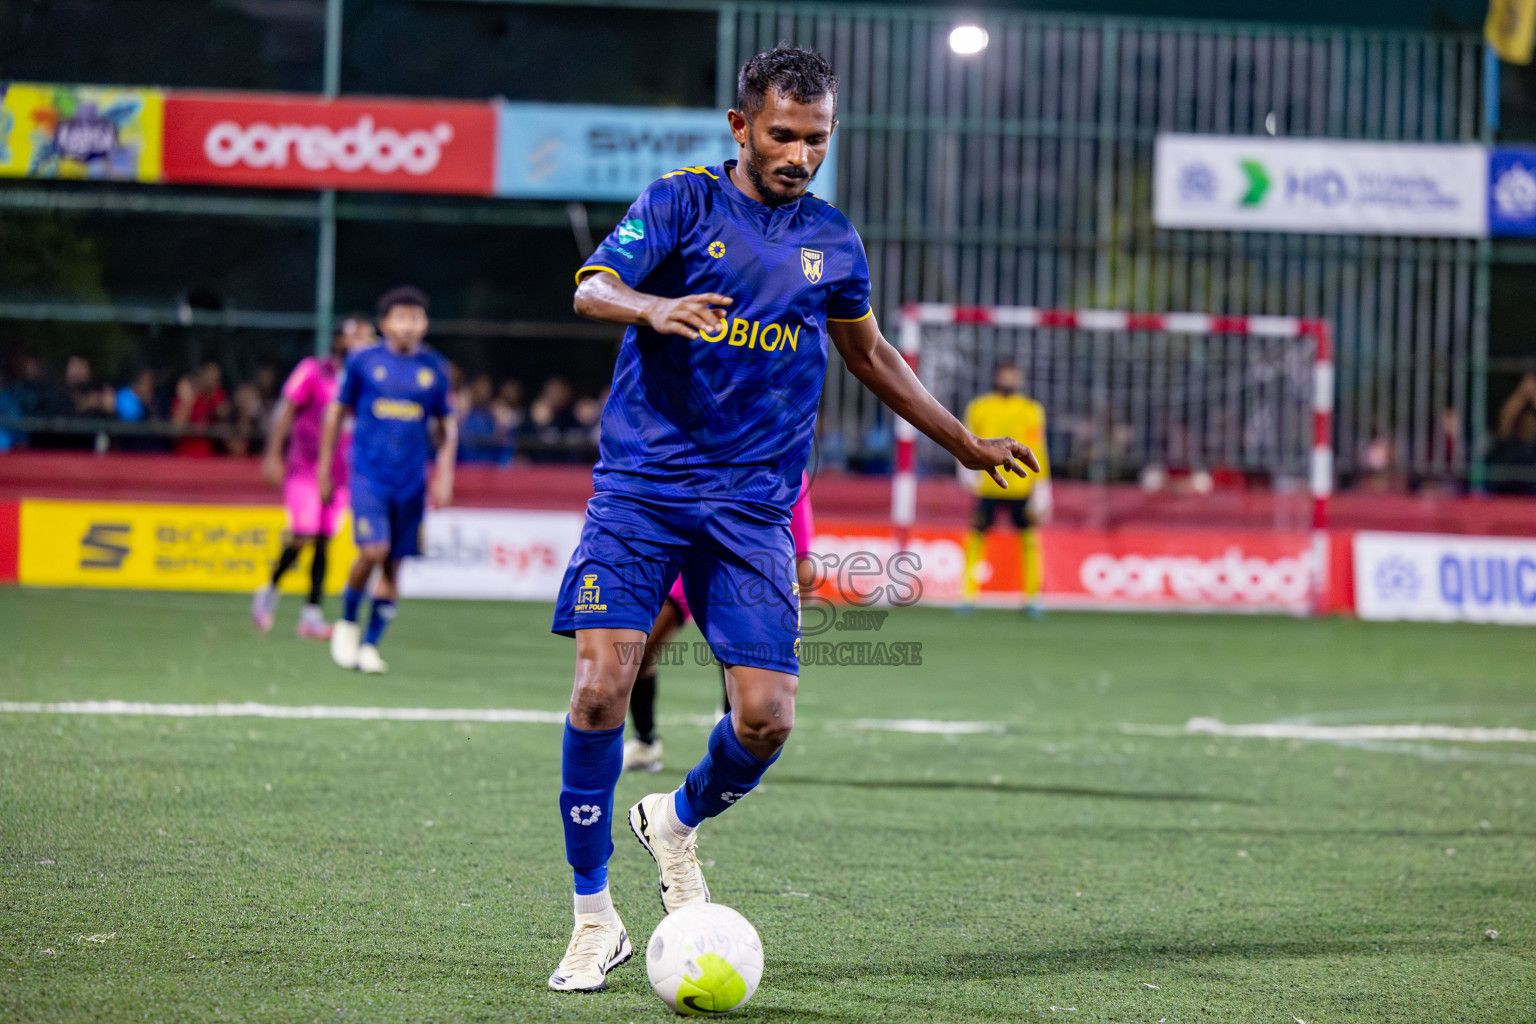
x,y
1316,334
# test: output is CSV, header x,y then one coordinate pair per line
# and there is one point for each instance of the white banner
x,y
1445,578
492,554
1330,186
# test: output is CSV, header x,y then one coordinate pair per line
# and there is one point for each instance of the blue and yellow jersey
x,y
730,415
1023,419
393,397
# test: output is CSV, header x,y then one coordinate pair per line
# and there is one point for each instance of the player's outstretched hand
x,y
272,470
441,492
994,455
688,315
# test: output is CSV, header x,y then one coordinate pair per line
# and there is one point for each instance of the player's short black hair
x,y
802,75
405,295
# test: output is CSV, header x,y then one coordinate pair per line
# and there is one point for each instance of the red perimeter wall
x,y
941,501
10,529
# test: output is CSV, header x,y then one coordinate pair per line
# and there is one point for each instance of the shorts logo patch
x,y
810,262
589,595
424,377
717,249
364,529
586,814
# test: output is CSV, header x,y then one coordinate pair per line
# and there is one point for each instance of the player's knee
x,y
592,706
758,732
374,554
765,720
598,698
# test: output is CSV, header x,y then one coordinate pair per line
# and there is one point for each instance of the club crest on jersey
x,y
589,595
810,262
424,377
717,248
379,373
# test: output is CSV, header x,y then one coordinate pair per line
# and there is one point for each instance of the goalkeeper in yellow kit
x,y
1007,411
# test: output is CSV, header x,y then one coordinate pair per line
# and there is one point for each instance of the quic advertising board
x,y
1445,578
305,142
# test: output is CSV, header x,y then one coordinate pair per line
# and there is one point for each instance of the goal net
x,y
1185,402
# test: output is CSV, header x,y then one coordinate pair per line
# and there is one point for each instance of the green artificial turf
x,y
1065,868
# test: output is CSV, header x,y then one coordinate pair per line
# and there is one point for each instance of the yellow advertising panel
x,y
163,547
80,131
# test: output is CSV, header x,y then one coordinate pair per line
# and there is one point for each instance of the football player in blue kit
x,y
397,391
733,280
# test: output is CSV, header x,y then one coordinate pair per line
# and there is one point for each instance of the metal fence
x,y
1023,176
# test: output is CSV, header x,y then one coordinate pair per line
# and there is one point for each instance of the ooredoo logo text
x,y
316,147
1231,578
303,142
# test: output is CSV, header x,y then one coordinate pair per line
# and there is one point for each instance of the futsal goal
x,y
1188,401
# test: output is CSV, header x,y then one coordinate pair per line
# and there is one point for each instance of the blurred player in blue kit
x,y
733,280
399,395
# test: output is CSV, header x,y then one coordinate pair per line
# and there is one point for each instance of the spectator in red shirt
x,y
200,402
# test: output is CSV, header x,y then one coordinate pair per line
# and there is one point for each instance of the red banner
x,y
10,540
1170,569
295,142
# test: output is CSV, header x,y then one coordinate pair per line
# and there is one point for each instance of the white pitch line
x,y
251,709
1358,733
925,725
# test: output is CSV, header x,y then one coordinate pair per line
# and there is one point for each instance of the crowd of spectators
x,y
197,414
495,426
1512,460
191,414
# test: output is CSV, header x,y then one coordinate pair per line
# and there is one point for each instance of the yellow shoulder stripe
x,y
593,268
850,320
691,170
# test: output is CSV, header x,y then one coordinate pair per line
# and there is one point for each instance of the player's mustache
x,y
790,171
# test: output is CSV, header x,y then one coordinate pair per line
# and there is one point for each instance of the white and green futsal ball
x,y
704,960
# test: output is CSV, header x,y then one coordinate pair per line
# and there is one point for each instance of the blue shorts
x,y
383,516
738,568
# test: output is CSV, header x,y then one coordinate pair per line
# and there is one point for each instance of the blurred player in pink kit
x,y
300,413
642,753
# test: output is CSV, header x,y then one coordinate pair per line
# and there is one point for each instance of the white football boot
x,y
368,661
599,943
264,607
640,756
346,637
682,877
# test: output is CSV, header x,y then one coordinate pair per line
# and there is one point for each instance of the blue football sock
x,y
351,601
728,772
590,763
379,618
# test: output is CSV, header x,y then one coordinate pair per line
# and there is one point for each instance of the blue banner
x,y
610,154
1512,191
